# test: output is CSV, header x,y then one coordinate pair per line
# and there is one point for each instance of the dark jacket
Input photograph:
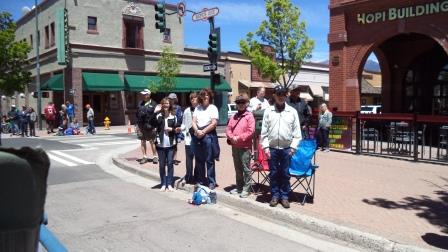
x,y
145,114
160,126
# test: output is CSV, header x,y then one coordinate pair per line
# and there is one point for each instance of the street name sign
x,y
210,67
205,14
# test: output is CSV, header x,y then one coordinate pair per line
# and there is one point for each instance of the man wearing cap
x,y
239,132
13,116
280,136
146,131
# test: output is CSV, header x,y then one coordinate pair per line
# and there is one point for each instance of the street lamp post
x,y
39,93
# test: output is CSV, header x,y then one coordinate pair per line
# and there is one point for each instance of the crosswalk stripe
x,y
110,143
60,160
84,140
71,157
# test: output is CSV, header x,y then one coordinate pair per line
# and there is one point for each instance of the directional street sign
x,y
205,14
209,67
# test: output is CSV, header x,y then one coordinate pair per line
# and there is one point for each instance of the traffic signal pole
x,y
38,88
213,59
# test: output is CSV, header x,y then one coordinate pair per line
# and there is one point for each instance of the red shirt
x,y
50,112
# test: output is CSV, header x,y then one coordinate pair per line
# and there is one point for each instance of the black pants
x,y
322,138
189,157
32,128
24,128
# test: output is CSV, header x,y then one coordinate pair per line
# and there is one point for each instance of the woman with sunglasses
x,y
167,126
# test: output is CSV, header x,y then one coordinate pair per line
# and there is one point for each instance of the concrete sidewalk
x,y
404,202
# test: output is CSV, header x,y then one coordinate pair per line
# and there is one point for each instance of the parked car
x,y
371,109
231,110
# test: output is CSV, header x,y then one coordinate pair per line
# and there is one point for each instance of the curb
x,y
295,220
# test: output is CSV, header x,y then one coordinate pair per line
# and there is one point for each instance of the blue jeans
x,y
91,127
279,173
166,160
204,156
189,156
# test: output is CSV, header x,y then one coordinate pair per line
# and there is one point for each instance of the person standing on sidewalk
x,y
259,102
145,129
32,121
23,122
240,131
70,111
167,126
50,117
205,119
280,137
190,177
323,130
179,114
90,120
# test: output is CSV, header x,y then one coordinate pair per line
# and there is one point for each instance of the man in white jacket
x,y
280,136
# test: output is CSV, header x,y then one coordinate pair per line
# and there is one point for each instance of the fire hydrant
x,y
107,123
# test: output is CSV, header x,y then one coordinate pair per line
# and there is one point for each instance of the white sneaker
x,y
170,188
327,150
163,188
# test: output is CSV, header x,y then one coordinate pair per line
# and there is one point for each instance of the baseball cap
x,y
145,92
280,90
172,96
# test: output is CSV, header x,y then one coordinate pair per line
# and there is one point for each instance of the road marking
x,y
110,143
92,139
60,160
71,157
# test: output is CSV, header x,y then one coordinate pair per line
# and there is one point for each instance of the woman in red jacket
x,y
239,132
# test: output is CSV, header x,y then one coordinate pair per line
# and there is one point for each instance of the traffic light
x,y
213,46
160,16
216,78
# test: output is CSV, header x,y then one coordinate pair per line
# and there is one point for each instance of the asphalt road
x,y
94,206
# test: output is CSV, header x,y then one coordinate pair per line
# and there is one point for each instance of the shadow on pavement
x,y
439,241
435,211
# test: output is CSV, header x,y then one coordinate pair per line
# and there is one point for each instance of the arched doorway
x,y
414,75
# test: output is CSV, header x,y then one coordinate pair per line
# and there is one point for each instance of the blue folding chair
x,y
303,169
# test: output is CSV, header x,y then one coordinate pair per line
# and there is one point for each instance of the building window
x,y
91,24
31,41
52,38
47,37
167,36
133,33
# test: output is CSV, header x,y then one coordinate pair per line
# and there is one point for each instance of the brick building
x,y
410,40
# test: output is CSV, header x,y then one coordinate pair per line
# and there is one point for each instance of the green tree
x,y
167,68
286,34
13,57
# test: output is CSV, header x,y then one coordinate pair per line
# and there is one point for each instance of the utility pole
x,y
39,92
212,58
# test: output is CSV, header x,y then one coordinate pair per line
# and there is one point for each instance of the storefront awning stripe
x,y
93,81
55,83
317,90
183,84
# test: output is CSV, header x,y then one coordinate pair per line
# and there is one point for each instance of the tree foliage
x,y
167,68
286,35
13,57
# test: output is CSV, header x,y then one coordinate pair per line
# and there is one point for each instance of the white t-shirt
x,y
204,116
253,103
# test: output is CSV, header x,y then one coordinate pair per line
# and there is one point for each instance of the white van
x,y
371,109
231,110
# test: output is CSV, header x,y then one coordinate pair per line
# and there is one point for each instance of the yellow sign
x,y
401,13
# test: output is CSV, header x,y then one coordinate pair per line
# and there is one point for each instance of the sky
x,y
236,18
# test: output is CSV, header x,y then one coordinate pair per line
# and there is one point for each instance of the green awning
x,y
93,81
136,82
55,83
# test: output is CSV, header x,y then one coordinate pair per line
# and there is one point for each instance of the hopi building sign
x,y
404,12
